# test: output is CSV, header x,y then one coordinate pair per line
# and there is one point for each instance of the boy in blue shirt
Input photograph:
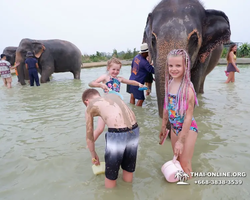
x,y
32,65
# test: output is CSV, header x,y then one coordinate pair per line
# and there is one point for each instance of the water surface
x,y
43,150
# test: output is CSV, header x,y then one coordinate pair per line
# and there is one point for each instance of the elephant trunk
x,y
22,71
161,70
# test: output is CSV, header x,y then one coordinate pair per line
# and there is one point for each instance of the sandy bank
x,y
222,61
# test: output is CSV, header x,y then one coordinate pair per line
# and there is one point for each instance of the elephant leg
x,y
198,75
212,62
46,73
201,90
76,74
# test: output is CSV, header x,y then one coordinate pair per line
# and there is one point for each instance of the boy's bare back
x,y
114,112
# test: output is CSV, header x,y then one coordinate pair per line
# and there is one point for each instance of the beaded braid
x,y
183,92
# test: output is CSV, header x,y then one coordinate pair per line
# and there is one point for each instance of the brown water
x,y
43,150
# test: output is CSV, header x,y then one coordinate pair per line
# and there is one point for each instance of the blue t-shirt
x,y
31,62
140,69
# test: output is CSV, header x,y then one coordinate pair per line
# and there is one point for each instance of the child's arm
x,y
16,64
164,124
90,137
98,83
131,82
186,125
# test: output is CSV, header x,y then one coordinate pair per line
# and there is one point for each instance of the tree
x,y
115,53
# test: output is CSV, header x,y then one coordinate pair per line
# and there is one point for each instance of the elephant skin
x,y
185,24
53,56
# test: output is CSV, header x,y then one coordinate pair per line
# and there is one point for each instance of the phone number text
x,y
218,182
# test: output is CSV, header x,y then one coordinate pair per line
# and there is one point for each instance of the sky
x,y
98,25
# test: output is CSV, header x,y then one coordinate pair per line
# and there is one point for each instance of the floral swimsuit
x,y
114,84
175,119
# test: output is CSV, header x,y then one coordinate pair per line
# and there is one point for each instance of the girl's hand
x,y
162,133
237,70
140,85
104,87
178,148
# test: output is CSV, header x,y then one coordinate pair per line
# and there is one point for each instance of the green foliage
x,y
243,51
101,56
224,53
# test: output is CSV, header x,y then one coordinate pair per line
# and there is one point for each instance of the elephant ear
x,y
216,31
38,48
147,30
149,36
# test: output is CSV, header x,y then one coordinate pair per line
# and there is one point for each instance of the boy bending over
x,y
122,136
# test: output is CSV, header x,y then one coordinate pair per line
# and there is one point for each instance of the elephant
x,y
185,24
52,55
10,53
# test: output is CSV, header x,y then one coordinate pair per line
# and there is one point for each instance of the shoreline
x,y
222,61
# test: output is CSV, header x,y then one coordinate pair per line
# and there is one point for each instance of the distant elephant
x,y
53,56
185,24
10,53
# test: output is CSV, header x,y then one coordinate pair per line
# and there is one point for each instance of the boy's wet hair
x,y
113,60
89,93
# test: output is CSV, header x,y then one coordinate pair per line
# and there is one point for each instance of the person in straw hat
x,y
140,68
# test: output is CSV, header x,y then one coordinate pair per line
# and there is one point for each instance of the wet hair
x,y
183,92
2,55
88,93
113,60
230,49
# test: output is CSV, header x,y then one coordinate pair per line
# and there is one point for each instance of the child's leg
x,y
229,78
130,155
9,80
110,183
5,82
115,147
186,157
174,138
132,99
127,176
99,129
148,91
233,77
139,102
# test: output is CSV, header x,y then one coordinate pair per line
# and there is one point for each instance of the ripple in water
x,y
43,150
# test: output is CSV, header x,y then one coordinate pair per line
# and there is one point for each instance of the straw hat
x,y
144,48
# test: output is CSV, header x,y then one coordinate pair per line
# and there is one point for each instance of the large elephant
x,y
10,53
53,56
185,24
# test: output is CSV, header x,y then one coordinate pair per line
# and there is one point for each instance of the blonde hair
x,y
113,60
182,95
